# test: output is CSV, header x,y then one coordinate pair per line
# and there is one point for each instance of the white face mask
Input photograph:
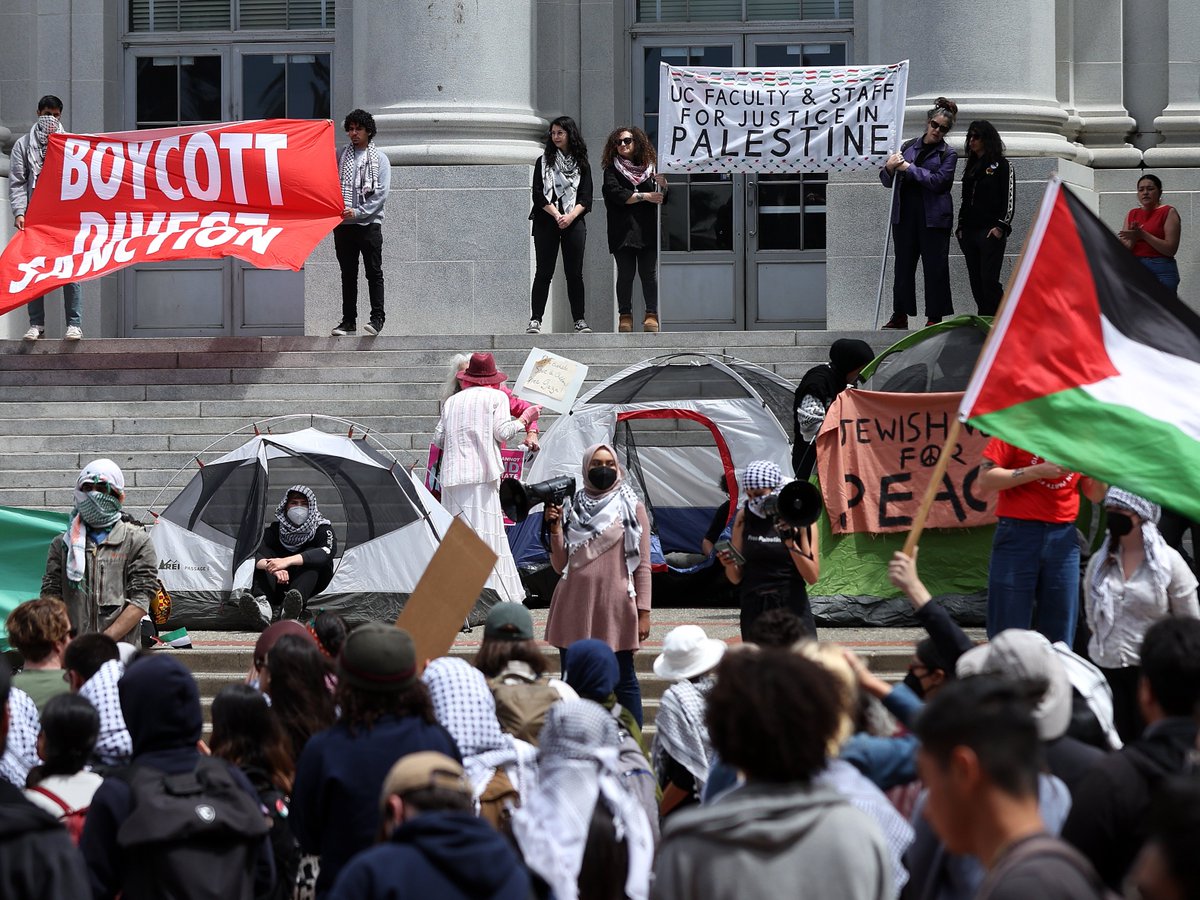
x,y
297,514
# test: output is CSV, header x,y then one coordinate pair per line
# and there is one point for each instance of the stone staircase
x,y
153,405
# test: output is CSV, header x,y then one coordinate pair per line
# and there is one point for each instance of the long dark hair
x,y
300,698
247,734
575,145
989,139
643,149
70,725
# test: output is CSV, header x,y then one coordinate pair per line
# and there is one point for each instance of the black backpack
x,y
191,836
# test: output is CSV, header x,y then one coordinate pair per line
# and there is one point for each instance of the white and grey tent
x,y
388,527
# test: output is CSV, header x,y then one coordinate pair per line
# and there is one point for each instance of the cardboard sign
x,y
511,459
448,589
875,456
550,380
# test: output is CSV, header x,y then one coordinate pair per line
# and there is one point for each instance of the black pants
x,y
1127,713
755,603
308,580
1173,527
547,238
914,240
984,255
349,242
645,262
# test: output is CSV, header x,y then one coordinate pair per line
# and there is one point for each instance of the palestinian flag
x,y
1092,363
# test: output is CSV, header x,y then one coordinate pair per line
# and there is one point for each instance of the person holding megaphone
x,y
772,553
600,544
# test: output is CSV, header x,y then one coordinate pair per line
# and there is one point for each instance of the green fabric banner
x,y
25,536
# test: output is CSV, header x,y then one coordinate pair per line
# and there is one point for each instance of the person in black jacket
x,y
562,196
632,191
295,559
37,860
819,386
989,192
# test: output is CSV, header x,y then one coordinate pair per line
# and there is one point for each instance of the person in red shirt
x,y
1034,571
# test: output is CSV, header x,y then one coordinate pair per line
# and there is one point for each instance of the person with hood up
x,y
463,704
430,842
161,706
600,544
817,390
104,568
37,860
295,560
582,827
772,715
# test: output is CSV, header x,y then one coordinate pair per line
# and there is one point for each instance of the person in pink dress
x,y
600,544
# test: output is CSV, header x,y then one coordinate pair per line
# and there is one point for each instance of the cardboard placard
x,y
550,380
449,587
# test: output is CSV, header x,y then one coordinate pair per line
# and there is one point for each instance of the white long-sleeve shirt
x,y
474,423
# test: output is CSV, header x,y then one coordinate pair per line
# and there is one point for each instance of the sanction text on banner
x,y
833,118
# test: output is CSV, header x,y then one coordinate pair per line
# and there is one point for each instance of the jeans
x,y
984,255
349,242
628,689
72,306
547,238
645,262
1034,572
1164,268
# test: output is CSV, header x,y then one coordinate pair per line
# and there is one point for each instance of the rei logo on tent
x,y
206,813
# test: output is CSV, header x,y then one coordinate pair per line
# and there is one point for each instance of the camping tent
x,y
853,588
387,524
678,423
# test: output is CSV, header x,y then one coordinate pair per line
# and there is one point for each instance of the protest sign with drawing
x,y
550,380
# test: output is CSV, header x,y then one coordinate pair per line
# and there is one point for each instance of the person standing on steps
x,y
562,196
989,196
28,156
366,176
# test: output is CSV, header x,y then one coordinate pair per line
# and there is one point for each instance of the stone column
x,y
1179,123
1105,125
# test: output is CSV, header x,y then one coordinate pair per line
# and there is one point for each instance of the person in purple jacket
x,y
922,216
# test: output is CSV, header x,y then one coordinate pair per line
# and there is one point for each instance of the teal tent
x,y
25,536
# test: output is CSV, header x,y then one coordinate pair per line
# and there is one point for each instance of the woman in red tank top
x,y
1152,232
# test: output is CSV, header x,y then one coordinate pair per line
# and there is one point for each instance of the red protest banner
x,y
264,191
875,457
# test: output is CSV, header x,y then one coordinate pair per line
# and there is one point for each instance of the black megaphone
x,y
517,499
799,504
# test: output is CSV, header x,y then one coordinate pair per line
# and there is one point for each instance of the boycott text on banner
x,y
264,191
875,455
834,118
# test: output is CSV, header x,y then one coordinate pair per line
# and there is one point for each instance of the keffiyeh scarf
x,y
578,751
634,174
93,509
1158,559
762,473
561,181
24,725
463,704
39,141
366,175
680,731
294,536
590,514
114,746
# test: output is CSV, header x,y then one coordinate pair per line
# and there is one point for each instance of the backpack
x,y
190,836
521,707
497,802
73,819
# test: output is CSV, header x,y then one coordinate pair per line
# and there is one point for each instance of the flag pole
x,y
935,484
887,239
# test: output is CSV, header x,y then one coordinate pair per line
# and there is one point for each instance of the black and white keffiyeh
x,y
463,704
561,181
293,536
577,767
762,473
680,731
20,752
592,512
39,141
367,175
1158,559
114,746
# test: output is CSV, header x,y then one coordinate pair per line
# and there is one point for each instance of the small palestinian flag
x,y
1092,363
179,639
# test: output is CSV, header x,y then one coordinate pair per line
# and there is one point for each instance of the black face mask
x,y
912,681
1119,524
602,477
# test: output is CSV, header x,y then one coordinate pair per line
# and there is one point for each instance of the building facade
x,y
462,91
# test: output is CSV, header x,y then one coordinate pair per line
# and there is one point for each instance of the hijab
x,y
593,514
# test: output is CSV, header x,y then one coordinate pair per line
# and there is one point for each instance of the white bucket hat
x,y
688,652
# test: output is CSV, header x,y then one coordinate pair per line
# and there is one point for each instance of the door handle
x,y
752,205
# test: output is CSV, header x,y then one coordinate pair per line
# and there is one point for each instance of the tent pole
x,y
935,484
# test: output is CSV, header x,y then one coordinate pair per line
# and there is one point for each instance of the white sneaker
x,y
34,332
73,333
535,326
581,327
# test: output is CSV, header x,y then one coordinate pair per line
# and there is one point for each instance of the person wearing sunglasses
x,y
103,566
632,194
922,216
989,196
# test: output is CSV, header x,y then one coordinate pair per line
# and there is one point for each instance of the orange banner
x,y
265,191
875,457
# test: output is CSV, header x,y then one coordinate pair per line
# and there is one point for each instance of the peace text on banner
x,y
836,118
265,191
875,457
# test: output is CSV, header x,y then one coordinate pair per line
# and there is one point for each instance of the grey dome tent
x,y
388,527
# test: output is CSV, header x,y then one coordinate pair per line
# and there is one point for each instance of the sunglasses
x,y
939,127
623,141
